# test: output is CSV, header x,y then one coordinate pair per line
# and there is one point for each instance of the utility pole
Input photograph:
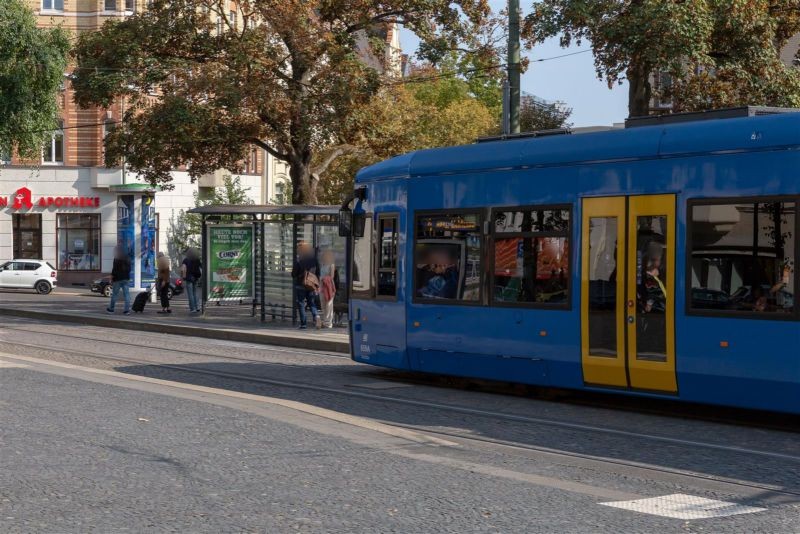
x,y
513,65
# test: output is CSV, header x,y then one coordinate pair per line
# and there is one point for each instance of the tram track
x,y
486,441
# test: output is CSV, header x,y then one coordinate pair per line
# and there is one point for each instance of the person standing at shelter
x,y
162,281
305,274
329,284
191,271
120,280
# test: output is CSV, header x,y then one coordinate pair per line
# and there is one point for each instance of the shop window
x,y
5,157
52,5
53,153
742,257
78,239
27,236
387,256
363,283
447,257
531,256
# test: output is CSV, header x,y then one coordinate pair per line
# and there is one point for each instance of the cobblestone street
x,y
160,433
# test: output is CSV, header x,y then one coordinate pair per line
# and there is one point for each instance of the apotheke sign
x,y
23,199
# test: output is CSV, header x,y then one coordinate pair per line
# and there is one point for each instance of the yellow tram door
x,y
628,292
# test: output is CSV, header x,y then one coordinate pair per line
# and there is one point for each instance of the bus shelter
x,y
248,253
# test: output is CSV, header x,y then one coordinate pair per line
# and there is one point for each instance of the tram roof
x,y
720,136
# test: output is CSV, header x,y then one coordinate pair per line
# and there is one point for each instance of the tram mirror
x,y
359,223
345,222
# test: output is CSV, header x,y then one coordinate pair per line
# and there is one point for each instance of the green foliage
x,y
185,229
535,116
287,79
32,65
718,52
422,113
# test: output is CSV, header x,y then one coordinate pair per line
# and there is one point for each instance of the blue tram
x,y
657,260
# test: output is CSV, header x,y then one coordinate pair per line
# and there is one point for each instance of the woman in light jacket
x,y
329,284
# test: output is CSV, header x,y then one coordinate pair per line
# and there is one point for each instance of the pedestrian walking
x,y
305,274
191,272
162,281
120,280
329,285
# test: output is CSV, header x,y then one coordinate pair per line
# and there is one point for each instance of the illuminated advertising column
x,y
148,240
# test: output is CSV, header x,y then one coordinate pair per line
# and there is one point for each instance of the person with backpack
x,y
305,274
120,280
191,271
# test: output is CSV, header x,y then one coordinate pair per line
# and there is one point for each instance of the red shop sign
x,y
23,199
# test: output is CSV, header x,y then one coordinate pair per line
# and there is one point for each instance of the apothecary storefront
x,y
76,231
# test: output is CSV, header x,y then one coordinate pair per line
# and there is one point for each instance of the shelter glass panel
x,y
743,257
78,242
447,257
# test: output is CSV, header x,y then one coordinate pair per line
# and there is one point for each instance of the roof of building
x,y
645,142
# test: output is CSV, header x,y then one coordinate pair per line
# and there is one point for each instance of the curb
x,y
265,338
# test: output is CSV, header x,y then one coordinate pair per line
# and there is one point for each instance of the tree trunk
x,y
639,91
304,189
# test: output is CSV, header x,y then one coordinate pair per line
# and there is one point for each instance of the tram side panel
x,y
465,319
733,348
379,289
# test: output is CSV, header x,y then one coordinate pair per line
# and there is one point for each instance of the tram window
x,y
387,256
531,256
743,257
447,257
363,274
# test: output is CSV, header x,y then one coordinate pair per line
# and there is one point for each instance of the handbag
x,y
310,281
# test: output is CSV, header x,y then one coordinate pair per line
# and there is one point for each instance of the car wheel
x,y
107,291
43,287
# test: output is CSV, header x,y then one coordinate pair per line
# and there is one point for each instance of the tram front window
x,y
742,257
447,257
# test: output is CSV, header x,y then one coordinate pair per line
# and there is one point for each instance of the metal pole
x,y
513,65
206,264
506,122
263,270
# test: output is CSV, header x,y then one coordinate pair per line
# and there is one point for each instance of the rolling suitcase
x,y
140,302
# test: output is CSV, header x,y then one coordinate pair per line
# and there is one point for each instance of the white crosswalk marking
x,y
682,506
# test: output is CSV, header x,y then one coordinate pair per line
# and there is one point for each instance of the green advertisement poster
x,y
230,263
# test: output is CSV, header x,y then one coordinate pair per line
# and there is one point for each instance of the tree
x,y
743,65
284,75
423,112
32,64
631,39
185,229
719,53
535,115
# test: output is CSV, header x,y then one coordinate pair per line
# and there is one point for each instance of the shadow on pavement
x,y
623,446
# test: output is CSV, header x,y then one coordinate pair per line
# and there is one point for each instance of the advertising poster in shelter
x,y
126,232
149,232
230,263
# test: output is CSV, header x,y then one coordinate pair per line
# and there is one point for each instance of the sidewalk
x,y
231,323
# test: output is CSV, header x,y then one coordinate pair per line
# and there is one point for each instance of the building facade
x,y
68,208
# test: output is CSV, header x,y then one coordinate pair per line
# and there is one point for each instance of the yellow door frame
x,y
624,369
646,374
603,369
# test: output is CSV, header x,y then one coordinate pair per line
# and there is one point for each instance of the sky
x,y
571,79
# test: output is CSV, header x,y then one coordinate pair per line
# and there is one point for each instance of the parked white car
x,y
28,274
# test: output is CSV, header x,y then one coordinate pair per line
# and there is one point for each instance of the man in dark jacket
x,y
120,280
306,263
